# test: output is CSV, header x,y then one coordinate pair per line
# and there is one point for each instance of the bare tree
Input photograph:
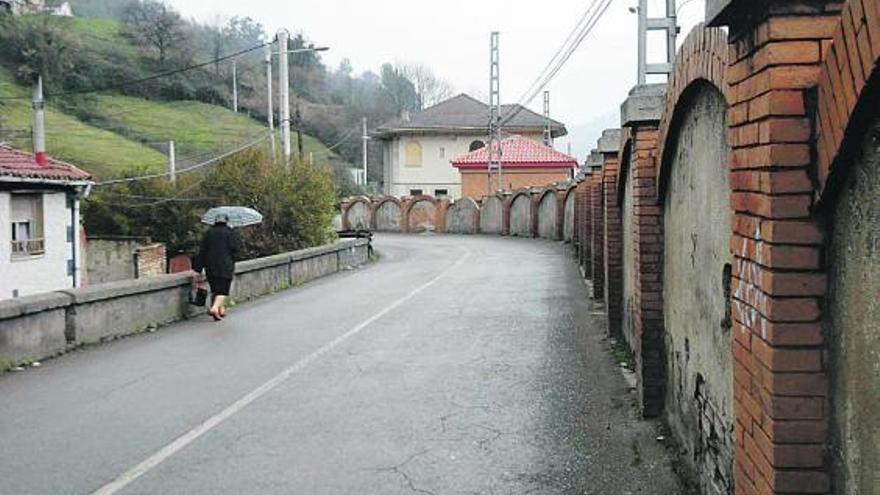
x,y
155,24
431,89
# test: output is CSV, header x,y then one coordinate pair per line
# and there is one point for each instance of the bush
x,y
297,205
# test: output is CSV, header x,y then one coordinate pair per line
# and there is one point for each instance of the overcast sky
x,y
452,37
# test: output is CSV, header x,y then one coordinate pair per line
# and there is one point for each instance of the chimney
x,y
39,124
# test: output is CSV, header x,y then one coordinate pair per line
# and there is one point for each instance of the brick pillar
x,y
780,382
609,145
584,222
640,114
597,235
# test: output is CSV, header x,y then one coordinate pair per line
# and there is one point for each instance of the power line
x,y
601,6
188,169
145,79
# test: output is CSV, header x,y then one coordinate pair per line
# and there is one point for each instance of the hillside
x,y
99,151
109,134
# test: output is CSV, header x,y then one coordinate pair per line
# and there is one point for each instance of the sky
x,y
452,37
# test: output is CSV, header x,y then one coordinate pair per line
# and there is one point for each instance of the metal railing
x,y
29,247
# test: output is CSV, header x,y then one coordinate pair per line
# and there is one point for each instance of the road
x,y
454,365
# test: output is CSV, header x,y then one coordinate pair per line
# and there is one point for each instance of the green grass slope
x,y
101,152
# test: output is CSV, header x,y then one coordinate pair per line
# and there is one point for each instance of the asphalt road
x,y
454,365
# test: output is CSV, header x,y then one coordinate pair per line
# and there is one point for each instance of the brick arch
x,y
848,91
377,204
624,159
346,224
702,59
412,203
463,223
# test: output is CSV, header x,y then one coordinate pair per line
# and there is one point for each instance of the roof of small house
x,y
518,152
22,165
465,113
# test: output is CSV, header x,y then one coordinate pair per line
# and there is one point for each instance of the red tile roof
x,y
21,165
518,152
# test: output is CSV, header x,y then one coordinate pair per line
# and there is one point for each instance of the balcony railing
x,y
30,247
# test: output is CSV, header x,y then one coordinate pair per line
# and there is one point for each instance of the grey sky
x,y
452,37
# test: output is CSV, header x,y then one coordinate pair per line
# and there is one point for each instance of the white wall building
x,y
418,148
40,247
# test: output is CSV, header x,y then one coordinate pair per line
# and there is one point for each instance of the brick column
x,y
583,198
780,382
609,145
640,114
597,235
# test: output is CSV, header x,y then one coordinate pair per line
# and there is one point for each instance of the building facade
x,y
40,249
418,149
525,163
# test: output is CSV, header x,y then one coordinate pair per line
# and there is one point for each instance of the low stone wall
x,y
44,325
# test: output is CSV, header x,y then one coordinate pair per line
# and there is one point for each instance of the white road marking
x,y
192,435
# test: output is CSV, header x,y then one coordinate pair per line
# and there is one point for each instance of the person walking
x,y
220,248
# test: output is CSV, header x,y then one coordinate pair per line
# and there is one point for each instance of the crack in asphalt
x,y
398,469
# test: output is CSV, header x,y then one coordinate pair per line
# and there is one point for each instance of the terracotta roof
x,y
464,112
21,165
518,152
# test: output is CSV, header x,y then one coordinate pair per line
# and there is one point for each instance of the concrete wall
x,y
521,216
359,216
388,217
112,259
547,216
40,326
697,232
568,219
422,217
853,325
492,215
462,217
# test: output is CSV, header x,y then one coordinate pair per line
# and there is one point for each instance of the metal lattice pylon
x,y
496,172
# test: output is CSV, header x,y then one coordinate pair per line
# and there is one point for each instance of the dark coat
x,y
220,249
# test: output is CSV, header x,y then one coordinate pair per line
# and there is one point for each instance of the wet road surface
x,y
455,365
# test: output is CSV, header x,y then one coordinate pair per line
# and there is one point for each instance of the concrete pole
x,y
671,32
284,82
365,138
172,163
234,87
39,124
270,107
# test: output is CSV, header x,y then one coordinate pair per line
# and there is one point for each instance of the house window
x,y
441,193
415,192
475,145
413,154
442,152
27,225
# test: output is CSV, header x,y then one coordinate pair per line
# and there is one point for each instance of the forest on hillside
x,y
112,42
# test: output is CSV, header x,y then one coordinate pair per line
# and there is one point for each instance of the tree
x,y
155,24
38,45
430,88
399,89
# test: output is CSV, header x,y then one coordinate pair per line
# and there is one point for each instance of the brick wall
x,y
585,225
150,261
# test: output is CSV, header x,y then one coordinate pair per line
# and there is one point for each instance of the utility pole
x,y
172,163
668,24
548,130
495,172
234,87
39,124
365,138
299,132
270,108
284,88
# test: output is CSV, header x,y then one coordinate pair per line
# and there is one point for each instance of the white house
x,y
39,208
418,148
